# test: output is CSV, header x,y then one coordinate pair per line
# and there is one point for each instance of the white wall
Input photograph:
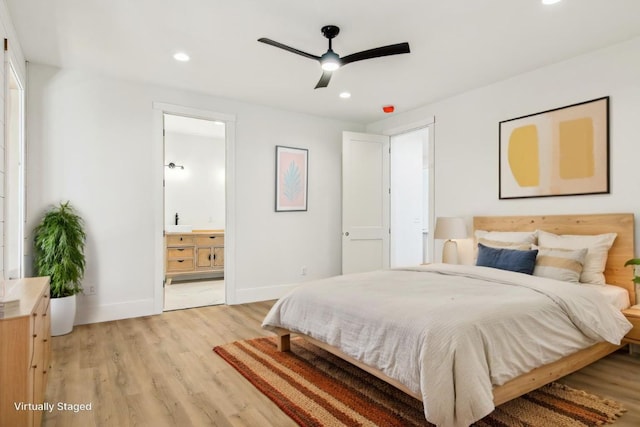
x,y
466,136
90,141
197,192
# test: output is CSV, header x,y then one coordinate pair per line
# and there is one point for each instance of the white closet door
x,y
365,202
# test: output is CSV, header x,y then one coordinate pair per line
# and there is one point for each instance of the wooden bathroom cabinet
x,y
195,253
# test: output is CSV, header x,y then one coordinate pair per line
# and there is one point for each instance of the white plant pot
x,y
63,315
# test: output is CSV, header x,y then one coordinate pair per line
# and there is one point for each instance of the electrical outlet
x,y
89,290
303,271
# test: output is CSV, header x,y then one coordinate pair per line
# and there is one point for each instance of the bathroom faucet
x,y
177,218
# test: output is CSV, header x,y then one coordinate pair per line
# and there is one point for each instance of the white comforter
x,y
450,332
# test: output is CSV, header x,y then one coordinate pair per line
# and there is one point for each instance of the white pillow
x,y
508,236
597,251
559,264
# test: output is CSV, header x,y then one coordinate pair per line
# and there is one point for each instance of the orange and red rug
x,y
316,388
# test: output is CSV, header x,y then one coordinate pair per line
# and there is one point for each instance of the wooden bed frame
x,y
615,274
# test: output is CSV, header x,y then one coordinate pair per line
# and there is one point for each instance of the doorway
x,y
194,211
410,195
14,177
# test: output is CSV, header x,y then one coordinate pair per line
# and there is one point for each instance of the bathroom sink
x,y
178,228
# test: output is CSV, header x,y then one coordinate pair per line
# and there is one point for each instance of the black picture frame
x,y
558,152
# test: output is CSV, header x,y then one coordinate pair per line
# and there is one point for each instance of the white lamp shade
x,y
450,228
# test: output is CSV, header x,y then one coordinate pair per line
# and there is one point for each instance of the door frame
x,y
398,129
11,70
159,109
399,216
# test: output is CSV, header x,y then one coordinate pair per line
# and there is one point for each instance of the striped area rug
x,y
316,388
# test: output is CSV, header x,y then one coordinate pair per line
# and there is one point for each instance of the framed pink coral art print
x,y
291,178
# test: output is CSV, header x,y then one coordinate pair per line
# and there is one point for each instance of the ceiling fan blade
x,y
393,49
324,79
288,48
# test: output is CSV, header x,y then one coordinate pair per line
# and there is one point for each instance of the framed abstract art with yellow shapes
x,y
558,152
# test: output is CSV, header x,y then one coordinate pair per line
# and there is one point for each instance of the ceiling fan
x,y
331,61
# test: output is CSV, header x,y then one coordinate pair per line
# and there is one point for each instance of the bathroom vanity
x,y
194,253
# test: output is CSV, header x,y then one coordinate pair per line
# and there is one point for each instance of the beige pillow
x,y
508,236
503,239
560,264
597,251
506,245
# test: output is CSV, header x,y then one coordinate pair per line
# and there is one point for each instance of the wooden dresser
x,y
25,349
198,252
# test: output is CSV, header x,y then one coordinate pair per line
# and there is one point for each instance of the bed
x,y
435,342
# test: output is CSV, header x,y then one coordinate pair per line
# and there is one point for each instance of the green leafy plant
x,y
59,250
634,261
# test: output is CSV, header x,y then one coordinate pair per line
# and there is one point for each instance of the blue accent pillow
x,y
507,259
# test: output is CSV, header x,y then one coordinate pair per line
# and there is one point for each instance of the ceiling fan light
x,y
330,61
330,65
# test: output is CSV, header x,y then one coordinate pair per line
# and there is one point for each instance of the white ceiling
x,y
456,45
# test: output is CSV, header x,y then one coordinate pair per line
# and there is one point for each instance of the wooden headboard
x,y
622,249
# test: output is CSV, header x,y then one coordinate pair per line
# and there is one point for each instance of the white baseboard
x,y
87,313
244,296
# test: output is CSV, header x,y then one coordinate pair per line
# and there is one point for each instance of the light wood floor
x,y
161,371
193,293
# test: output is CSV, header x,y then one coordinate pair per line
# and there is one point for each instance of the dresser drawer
x,y
47,298
39,317
180,240
180,253
212,240
179,265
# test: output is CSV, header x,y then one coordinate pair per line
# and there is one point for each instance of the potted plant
x,y
59,253
636,272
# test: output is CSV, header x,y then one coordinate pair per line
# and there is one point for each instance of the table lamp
x,y
448,228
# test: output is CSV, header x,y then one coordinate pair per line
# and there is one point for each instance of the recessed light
x,y
550,1
181,56
345,95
